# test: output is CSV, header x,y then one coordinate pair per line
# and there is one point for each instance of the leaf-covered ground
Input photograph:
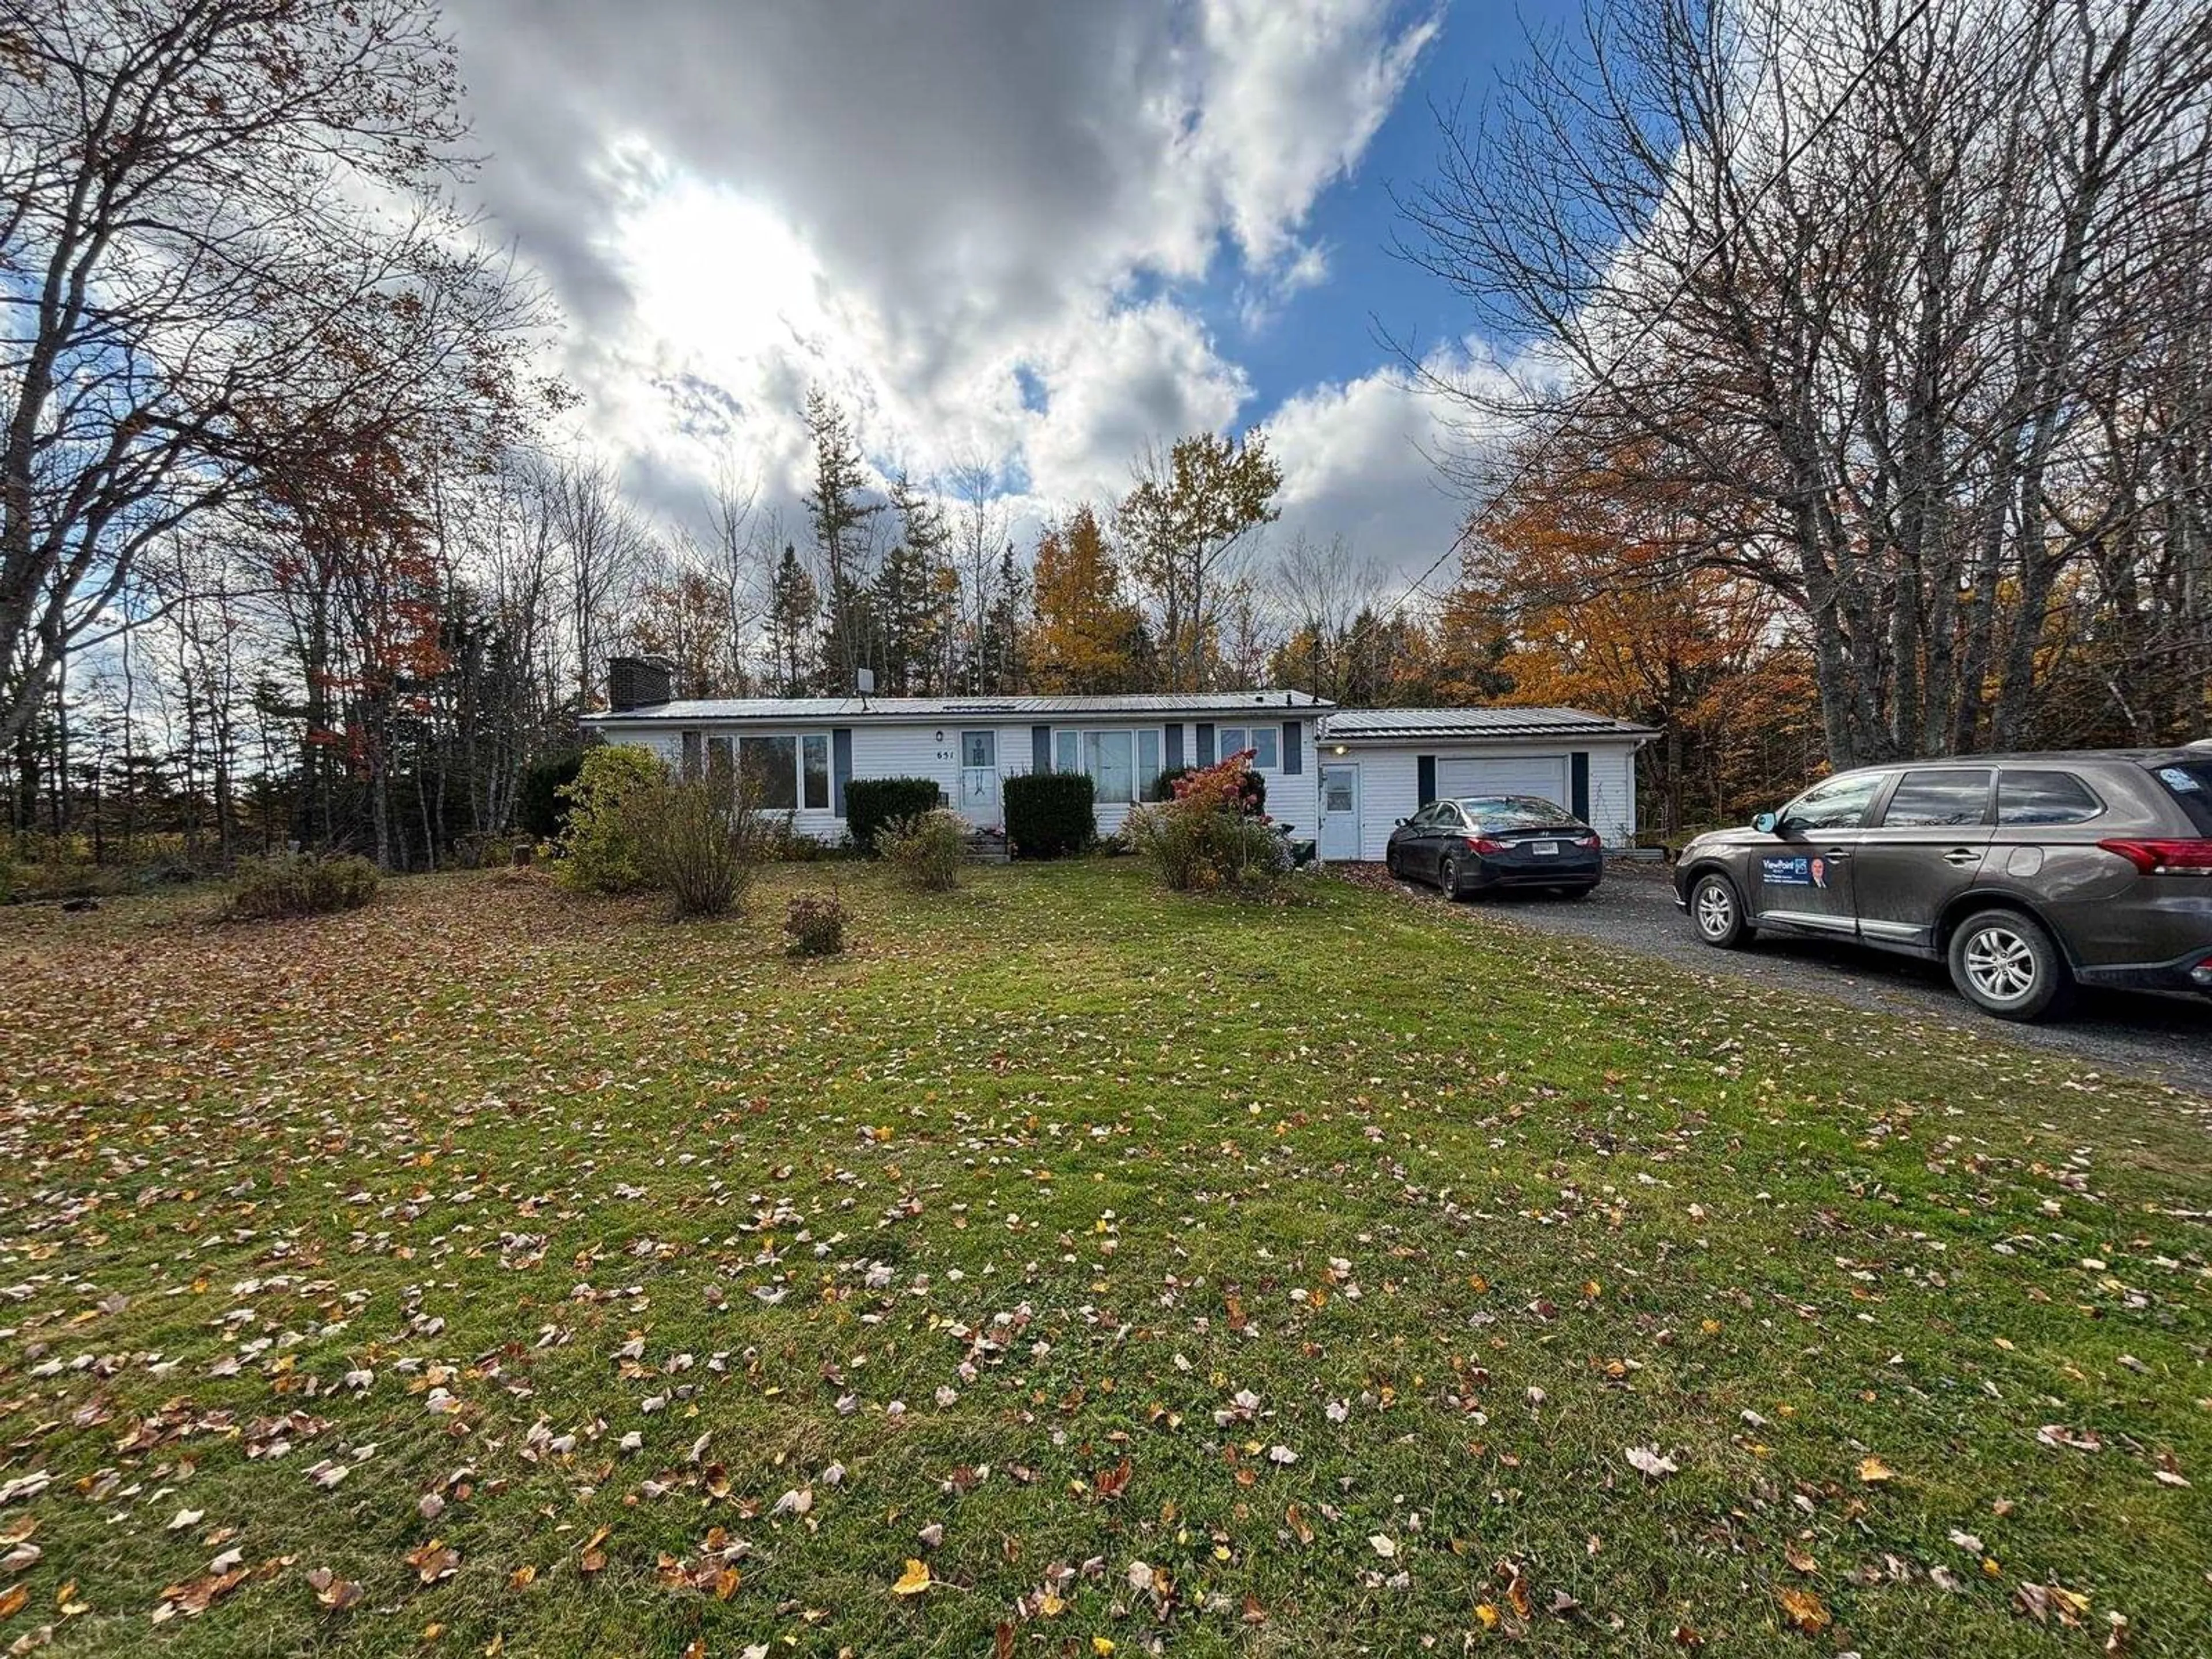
x,y
1071,1269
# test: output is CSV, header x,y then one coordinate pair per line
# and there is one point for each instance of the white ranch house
x,y
1343,777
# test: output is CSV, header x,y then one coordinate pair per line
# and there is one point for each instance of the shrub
x,y
697,840
871,803
1252,785
301,884
599,848
928,850
541,810
1207,837
1050,815
816,922
782,842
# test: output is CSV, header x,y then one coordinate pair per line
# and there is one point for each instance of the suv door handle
x,y
1960,857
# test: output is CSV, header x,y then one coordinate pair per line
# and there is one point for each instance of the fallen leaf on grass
x,y
1805,1611
1874,1471
331,1591
433,1560
12,1602
1383,1546
915,1580
1649,1460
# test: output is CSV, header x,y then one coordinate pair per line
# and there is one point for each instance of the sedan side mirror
x,y
1400,825
1766,823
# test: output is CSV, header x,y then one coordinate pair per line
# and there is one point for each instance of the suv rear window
x,y
2045,797
2190,782
1926,799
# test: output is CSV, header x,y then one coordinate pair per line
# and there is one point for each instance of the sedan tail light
x,y
2165,858
1586,841
1484,844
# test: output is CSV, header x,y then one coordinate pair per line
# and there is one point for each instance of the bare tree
x,y
603,548
1849,282
228,259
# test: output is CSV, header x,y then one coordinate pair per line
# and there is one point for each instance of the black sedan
x,y
1482,842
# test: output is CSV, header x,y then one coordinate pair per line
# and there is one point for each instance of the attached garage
x,y
1379,766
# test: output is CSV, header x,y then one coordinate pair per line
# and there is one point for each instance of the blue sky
x,y
1328,332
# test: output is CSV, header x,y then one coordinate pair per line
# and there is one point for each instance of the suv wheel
x,y
1716,909
2006,964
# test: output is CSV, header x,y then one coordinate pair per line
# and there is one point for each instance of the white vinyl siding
x,y
934,752
1389,782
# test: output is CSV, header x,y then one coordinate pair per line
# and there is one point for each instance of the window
x,y
2045,797
768,769
1110,757
2189,783
815,749
1928,800
1265,742
1838,803
1121,765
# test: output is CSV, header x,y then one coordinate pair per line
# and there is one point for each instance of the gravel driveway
x,y
2169,1038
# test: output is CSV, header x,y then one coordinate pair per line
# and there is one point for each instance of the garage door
x,y
1544,775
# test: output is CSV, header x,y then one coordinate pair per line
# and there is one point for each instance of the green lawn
x,y
522,1274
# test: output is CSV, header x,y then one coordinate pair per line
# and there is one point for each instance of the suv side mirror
x,y
1766,823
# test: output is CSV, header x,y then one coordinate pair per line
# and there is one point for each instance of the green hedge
x,y
1049,814
871,803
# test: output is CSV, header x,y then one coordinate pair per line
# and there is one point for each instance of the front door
x,y
979,779
1340,813
1803,877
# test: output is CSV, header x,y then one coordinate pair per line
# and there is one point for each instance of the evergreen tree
x,y
841,517
792,602
1001,652
914,598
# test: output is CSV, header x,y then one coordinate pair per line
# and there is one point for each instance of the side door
x,y
1340,811
1926,847
1802,877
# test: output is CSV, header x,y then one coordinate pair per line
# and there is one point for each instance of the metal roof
x,y
705,710
1471,724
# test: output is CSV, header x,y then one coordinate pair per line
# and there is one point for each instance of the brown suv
x,y
2028,873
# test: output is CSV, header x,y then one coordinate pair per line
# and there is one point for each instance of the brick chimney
x,y
638,681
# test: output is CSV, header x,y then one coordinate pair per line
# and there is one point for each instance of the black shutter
x,y
1294,754
840,766
1578,783
1424,772
1040,749
1204,743
1173,752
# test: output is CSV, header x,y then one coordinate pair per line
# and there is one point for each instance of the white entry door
x,y
1340,811
979,779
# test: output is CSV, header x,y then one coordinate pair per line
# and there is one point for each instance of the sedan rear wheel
x,y
1716,909
2006,964
1448,875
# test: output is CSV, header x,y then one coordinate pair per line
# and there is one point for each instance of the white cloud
x,y
922,208
1359,460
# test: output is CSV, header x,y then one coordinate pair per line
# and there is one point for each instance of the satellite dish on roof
x,y
866,680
